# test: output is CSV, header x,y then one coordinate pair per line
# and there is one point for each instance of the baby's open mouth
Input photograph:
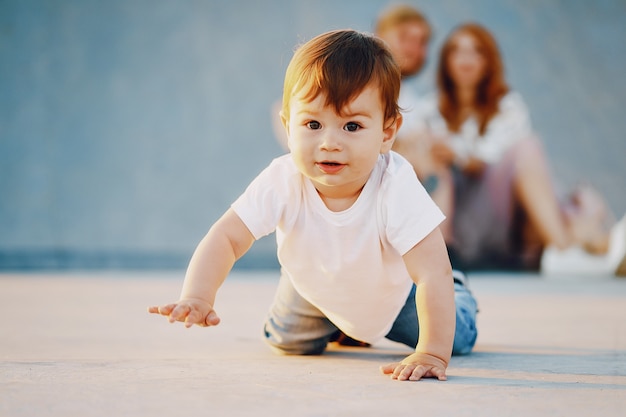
x,y
330,167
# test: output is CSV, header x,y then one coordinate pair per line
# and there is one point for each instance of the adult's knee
x,y
528,151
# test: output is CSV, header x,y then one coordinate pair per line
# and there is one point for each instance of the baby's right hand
x,y
190,312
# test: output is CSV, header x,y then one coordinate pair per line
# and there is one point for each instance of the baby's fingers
x,y
179,313
212,319
195,317
413,372
438,373
388,369
422,371
398,370
163,310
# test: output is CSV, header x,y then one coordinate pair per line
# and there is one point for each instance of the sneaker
x,y
621,269
617,248
575,261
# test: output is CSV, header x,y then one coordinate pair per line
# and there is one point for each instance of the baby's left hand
x,y
415,367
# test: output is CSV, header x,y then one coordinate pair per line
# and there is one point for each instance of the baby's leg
x,y
466,309
406,327
294,326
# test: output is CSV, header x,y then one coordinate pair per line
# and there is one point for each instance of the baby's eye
x,y
352,127
314,125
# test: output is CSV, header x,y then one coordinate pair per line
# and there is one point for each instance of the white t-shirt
x,y
511,123
348,264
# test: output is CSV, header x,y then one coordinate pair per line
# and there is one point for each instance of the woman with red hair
x,y
492,176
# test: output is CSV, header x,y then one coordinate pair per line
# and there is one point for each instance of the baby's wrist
x,y
430,357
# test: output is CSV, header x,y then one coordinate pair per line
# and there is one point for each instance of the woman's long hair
x,y
490,89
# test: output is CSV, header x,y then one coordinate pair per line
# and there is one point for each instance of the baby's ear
x,y
389,133
285,123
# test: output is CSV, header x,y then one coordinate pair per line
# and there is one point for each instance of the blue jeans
x,y
296,327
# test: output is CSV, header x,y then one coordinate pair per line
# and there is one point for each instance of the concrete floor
x,y
82,344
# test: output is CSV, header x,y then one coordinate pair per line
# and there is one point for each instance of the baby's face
x,y
338,151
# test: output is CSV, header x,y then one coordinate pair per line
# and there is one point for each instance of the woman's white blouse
x,y
508,126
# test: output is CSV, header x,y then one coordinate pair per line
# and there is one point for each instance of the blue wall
x,y
128,126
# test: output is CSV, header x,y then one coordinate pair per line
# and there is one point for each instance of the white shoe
x,y
575,261
572,262
617,248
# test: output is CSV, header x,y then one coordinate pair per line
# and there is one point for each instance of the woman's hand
x,y
474,167
442,153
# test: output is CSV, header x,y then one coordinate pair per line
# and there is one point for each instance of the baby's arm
x,y
429,266
227,240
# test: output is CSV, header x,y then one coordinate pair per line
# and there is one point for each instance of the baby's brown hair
x,y
341,64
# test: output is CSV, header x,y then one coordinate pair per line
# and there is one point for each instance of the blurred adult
x,y
407,33
492,172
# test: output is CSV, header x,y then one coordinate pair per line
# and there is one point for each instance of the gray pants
x,y
296,327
